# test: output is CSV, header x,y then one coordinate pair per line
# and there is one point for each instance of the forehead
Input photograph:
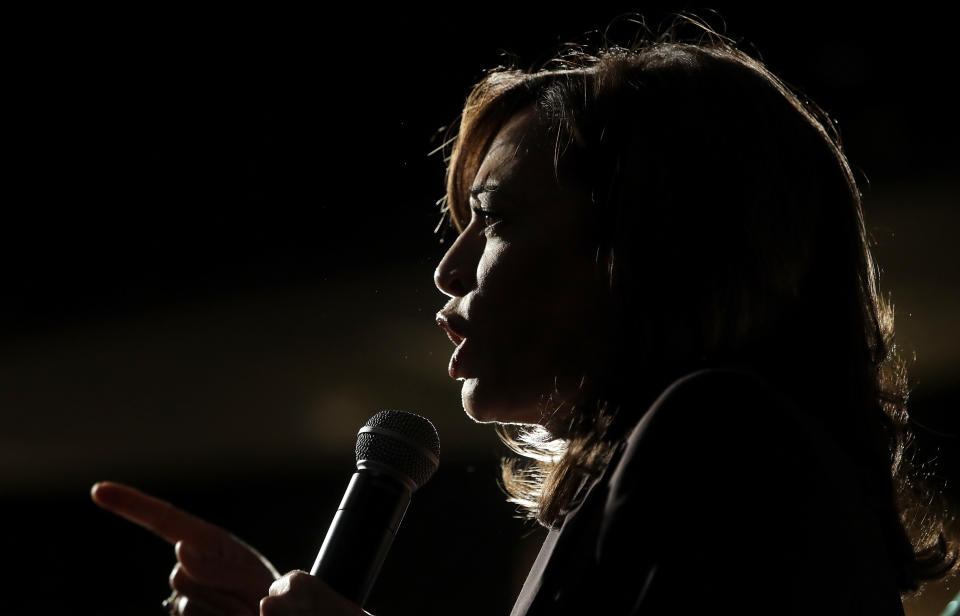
x,y
519,154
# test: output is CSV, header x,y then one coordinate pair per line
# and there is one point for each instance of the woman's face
x,y
520,278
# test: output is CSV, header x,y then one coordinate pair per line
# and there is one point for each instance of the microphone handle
x,y
361,534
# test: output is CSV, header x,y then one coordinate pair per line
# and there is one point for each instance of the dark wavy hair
x,y
714,183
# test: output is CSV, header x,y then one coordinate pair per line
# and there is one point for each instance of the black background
x,y
167,169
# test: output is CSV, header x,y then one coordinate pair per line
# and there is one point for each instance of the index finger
x,y
157,516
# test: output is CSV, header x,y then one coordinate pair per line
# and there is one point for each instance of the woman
x,y
662,295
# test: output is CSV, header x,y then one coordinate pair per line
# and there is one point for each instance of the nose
x,y
456,275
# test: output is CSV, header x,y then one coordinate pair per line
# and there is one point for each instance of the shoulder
x,y
725,449
724,494
717,420
725,469
714,396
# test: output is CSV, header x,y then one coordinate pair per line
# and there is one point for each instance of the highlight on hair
x,y
792,289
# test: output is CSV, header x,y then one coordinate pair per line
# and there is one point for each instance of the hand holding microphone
x,y
217,573
397,452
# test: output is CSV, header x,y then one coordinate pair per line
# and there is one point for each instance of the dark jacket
x,y
725,498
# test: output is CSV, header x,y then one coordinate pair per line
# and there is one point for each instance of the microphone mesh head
x,y
404,442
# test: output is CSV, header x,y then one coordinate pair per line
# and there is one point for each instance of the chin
x,y
486,404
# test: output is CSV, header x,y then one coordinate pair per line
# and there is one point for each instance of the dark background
x,y
217,264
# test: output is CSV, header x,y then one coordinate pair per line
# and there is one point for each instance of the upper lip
x,y
454,325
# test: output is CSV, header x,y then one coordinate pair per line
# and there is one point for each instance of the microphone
x,y
397,452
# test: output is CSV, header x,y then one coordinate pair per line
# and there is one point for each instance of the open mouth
x,y
455,337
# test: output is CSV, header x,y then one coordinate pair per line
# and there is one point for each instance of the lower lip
x,y
456,368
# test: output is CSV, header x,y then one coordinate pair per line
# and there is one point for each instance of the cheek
x,y
491,261
512,291
535,302
518,272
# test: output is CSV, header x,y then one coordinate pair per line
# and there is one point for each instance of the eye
x,y
487,218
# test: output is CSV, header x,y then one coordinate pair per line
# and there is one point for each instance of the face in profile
x,y
521,283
